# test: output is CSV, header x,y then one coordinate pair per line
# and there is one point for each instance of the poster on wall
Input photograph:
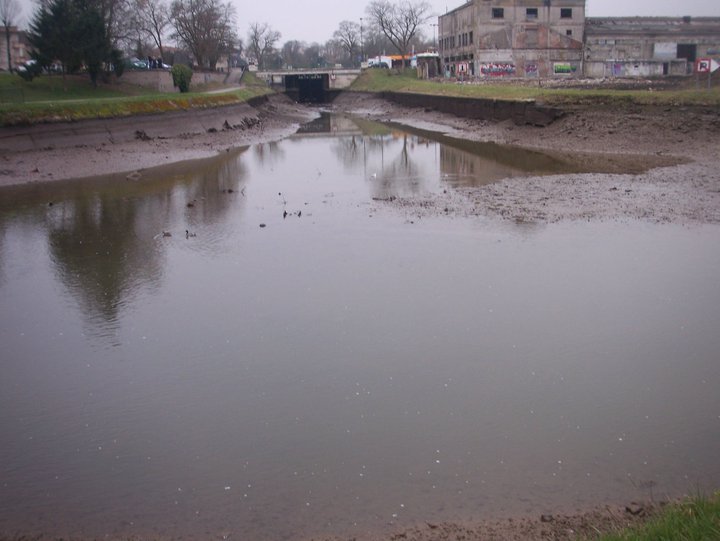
x,y
665,51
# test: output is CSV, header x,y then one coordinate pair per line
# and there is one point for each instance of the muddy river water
x,y
262,346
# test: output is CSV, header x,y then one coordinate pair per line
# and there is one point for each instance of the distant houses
x,y
19,48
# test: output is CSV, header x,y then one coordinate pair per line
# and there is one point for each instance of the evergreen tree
x,y
73,33
92,37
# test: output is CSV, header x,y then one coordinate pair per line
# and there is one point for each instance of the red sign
x,y
706,65
702,65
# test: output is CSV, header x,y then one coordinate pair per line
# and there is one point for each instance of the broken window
x,y
531,13
566,13
498,13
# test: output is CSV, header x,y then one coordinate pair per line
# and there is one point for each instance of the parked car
x,y
136,64
27,65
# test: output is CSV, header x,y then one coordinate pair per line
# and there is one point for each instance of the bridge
x,y
310,85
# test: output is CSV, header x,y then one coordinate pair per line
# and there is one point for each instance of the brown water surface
x,y
343,368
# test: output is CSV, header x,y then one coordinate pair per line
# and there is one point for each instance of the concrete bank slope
x,y
89,148
123,129
521,112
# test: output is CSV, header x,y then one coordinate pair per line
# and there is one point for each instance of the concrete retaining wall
x,y
156,79
162,80
520,112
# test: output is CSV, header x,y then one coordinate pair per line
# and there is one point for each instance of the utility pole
x,y
362,43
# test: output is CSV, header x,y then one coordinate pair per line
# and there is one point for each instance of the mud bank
x,y
560,527
61,151
685,190
684,141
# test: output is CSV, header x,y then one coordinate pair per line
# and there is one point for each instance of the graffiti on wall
x,y
531,70
564,68
497,70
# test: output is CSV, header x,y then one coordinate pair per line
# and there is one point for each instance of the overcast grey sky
x,y
316,20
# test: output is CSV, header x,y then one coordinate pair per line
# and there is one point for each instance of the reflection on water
x,y
171,368
103,239
99,256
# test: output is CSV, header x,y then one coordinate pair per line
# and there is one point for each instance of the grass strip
x,y
697,519
43,102
384,80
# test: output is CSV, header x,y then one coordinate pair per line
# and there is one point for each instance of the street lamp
x,y
434,25
362,43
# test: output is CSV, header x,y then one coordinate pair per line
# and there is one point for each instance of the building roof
x,y
651,26
467,4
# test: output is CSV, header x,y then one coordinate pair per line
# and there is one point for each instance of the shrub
x,y
181,75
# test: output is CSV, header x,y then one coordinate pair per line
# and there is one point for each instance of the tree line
x,y
97,34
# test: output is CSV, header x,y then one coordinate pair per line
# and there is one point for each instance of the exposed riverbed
x,y
334,335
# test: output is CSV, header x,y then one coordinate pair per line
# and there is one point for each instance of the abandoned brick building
x,y
554,38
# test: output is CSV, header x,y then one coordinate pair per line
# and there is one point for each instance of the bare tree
x,y
375,42
9,12
399,22
261,42
348,34
312,56
153,19
292,53
333,51
205,27
118,17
